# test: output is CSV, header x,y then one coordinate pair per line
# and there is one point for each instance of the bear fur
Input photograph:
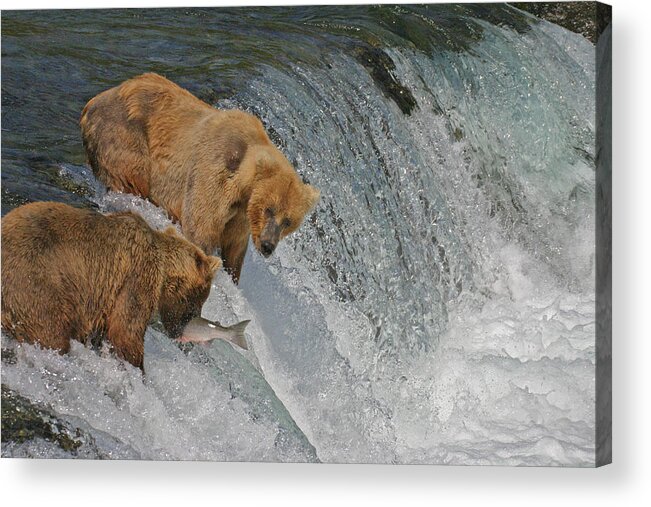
x,y
214,171
69,273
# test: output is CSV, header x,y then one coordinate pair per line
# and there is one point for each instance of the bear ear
x,y
312,196
264,165
214,263
171,231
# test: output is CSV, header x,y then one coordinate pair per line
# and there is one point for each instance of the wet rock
x,y
30,430
381,68
586,18
23,421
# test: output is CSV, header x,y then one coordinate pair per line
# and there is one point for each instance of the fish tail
x,y
238,334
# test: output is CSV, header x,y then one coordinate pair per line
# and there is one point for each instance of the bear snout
x,y
269,237
267,248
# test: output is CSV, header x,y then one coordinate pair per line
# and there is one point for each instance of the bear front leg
x,y
126,326
203,217
233,257
128,340
204,231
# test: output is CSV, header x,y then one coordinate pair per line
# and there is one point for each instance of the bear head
x,y
187,277
279,202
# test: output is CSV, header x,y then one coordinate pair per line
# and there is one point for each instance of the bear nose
x,y
267,248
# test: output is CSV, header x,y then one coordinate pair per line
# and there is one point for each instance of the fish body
x,y
200,330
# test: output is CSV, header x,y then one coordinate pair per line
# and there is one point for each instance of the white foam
x,y
180,410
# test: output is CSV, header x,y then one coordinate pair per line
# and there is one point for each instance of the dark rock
x,y
24,423
586,18
381,68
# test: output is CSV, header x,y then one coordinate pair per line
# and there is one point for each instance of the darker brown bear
x,y
215,171
69,274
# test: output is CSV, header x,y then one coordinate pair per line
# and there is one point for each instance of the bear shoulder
x,y
150,92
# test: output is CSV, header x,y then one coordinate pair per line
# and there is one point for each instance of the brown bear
x,y
69,273
214,171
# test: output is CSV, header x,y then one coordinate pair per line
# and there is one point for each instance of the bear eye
x,y
199,261
269,212
286,223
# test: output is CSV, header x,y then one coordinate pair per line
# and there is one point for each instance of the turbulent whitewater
x,y
437,307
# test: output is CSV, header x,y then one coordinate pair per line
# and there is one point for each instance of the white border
x,y
626,482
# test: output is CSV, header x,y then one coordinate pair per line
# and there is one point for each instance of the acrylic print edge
x,y
603,215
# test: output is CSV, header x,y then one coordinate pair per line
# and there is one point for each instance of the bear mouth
x,y
174,326
174,331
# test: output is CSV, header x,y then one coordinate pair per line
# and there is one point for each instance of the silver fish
x,y
200,330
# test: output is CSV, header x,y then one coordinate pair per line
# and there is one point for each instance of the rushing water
x,y
437,307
